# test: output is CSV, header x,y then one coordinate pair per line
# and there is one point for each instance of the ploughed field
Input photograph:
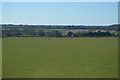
x,y
60,57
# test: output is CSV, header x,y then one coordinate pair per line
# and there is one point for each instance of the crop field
x,y
60,57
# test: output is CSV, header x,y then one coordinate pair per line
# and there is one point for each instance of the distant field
x,y
60,57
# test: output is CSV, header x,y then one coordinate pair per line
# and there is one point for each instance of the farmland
x,y
32,57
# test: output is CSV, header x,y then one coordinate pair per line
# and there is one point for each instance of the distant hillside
x,y
11,30
115,27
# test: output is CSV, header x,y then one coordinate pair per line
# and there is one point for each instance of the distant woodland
x,y
11,30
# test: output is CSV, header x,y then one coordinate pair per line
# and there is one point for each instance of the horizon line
x,y
64,24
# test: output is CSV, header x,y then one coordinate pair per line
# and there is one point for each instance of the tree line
x,y
92,34
88,27
35,32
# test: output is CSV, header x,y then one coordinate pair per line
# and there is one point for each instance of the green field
x,y
60,58
0,58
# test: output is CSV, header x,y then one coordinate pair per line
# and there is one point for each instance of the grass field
x,y
60,58
0,58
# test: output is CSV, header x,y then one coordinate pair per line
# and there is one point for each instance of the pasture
x,y
60,57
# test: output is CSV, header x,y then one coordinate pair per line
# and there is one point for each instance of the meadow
x,y
0,58
34,57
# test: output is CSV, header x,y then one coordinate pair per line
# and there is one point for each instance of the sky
x,y
75,13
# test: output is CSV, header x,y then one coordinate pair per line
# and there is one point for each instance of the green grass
x,y
0,58
60,58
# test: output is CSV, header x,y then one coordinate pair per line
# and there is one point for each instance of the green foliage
x,y
70,34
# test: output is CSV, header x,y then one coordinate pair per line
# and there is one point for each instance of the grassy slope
x,y
60,57
0,58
